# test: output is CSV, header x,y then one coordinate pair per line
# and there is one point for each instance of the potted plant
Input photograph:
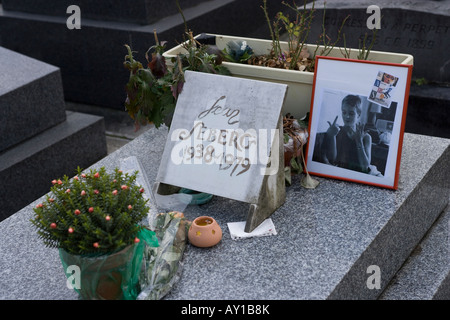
x,y
152,90
95,220
290,62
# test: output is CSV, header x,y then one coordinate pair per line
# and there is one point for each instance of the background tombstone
x,y
222,141
419,28
134,11
39,139
91,58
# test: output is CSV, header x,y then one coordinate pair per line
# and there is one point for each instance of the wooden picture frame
x,y
357,120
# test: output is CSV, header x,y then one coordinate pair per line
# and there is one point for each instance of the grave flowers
x,y
163,265
152,91
289,62
295,134
95,220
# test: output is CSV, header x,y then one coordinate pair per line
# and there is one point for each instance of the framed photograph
x,y
357,120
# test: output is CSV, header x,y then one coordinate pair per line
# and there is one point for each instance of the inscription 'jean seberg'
x,y
234,150
231,114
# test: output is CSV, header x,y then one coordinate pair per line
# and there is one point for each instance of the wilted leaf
x,y
296,167
286,138
304,53
176,88
288,175
301,67
158,65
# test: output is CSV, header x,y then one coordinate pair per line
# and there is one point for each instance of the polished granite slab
x,y
326,237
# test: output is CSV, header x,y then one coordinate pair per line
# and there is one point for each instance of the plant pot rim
x,y
299,96
203,217
407,58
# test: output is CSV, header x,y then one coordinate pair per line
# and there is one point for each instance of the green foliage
x,y
149,90
297,31
421,81
152,91
199,57
237,51
163,262
92,213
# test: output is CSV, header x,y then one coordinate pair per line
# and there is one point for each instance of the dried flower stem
x,y
346,53
156,37
182,16
274,35
363,51
327,47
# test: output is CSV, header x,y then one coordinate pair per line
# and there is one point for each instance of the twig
x,y
182,16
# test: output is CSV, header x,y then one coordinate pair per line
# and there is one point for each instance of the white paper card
x,y
266,228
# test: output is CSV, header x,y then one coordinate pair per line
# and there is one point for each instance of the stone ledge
x,y
429,110
31,97
85,57
327,237
27,169
426,273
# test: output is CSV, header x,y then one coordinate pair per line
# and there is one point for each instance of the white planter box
x,y
298,99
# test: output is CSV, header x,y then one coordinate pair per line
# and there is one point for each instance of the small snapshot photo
x,y
351,136
383,88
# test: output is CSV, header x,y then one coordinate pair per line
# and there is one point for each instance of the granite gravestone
x,y
29,91
224,141
133,11
91,58
419,28
39,139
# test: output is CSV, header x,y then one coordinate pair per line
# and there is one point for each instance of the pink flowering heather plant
x,y
92,213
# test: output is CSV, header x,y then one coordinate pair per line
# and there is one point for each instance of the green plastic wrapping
x,y
163,264
112,276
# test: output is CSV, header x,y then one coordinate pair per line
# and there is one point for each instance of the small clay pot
x,y
204,232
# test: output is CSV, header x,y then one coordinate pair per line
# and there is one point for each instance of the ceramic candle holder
x,y
204,232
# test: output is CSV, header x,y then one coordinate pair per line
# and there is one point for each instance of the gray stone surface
x,y
426,273
31,97
419,28
327,237
26,171
135,11
429,110
91,58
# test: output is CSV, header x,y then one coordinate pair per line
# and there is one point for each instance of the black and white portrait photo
x,y
353,137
